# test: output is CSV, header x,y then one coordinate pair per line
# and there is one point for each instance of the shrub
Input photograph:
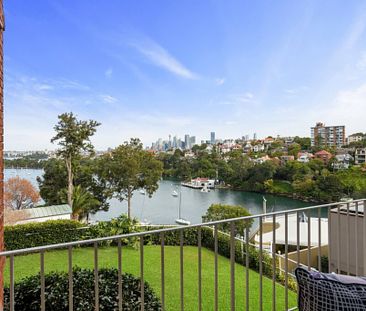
x,y
28,291
37,234
62,231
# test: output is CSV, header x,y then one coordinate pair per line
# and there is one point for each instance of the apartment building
x,y
360,156
354,138
328,136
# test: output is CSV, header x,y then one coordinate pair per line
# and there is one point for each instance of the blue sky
x,y
152,68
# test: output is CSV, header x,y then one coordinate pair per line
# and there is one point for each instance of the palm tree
x,y
83,202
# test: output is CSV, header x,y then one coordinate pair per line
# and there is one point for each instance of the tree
x,y
73,136
222,211
19,194
53,183
129,168
83,203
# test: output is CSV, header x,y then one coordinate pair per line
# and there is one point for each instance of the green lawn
x,y
83,257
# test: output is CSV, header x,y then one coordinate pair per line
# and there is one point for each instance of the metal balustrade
x,y
286,229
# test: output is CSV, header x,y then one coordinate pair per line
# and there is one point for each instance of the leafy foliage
x,y
53,183
45,233
38,234
19,193
28,292
222,211
128,168
73,137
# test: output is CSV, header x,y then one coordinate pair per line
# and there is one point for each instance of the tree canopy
x,y
128,168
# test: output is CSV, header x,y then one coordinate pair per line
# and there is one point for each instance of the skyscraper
x,y
187,143
213,139
192,141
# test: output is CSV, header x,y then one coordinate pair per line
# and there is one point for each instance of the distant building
x,y
258,148
192,141
304,157
213,138
323,155
286,158
342,161
354,138
187,142
360,156
328,136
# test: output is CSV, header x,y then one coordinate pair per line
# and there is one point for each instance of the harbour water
x,y
162,207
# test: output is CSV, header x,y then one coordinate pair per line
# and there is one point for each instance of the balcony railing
x,y
281,241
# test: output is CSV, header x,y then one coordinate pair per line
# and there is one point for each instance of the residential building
x,y
354,138
46,213
248,147
323,155
286,158
342,161
304,157
328,136
360,156
258,148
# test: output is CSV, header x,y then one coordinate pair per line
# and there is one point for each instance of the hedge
x,y
27,292
43,233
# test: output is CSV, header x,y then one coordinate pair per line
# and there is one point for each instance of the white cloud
x,y
220,81
244,98
108,73
108,99
160,57
362,62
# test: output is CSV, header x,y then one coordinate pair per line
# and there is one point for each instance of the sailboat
x,y
180,220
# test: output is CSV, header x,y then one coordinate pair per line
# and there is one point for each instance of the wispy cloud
x,y
160,57
108,73
108,99
362,62
239,100
220,81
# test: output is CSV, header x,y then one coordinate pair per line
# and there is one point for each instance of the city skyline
x,y
267,69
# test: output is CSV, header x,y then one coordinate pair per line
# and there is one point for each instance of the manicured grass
x,y
84,257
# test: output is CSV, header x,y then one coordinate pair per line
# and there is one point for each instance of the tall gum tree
x,y
73,137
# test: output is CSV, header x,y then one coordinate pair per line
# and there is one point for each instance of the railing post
x,y
232,265
142,273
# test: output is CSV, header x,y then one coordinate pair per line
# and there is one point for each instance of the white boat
x,y
205,189
184,222
180,220
142,191
174,193
145,222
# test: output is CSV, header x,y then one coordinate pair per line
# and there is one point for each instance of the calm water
x,y
162,207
